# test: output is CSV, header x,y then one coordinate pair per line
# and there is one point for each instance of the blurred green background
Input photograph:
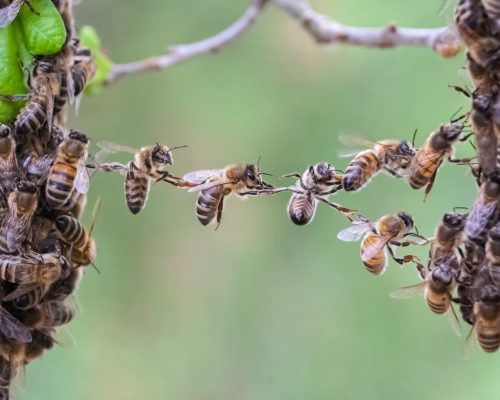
x,y
260,308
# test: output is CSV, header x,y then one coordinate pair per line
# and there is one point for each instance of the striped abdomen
x,y
82,73
360,170
301,208
492,8
60,184
423,166
373,254
58,314
16,270
488,335
207,205
437,302
480,220
6,375
137,186
71,230
62,97
32,116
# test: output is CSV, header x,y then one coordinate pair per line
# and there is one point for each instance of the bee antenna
x,y
258,161
459,208
175,148
472,144
265,173
339,170
95,211
95,267
413,138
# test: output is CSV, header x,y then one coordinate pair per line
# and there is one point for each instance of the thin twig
x,y
322,28
326,31
182,52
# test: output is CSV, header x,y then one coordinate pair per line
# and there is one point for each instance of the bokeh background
x,y
260,308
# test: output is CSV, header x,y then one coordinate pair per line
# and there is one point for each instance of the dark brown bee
x,y
65,286
68,171
486,139
428,159
392,156
83,69
6,377
316,184
447,238
377,239
214,185
23,202
484,211
41,342
11,327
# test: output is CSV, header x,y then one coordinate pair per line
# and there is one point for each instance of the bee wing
x,y
208,185
408,291
116,148
470,343
201,176
21,290
71,86
63,338
12,328
354,232
9,13
453,321
82,178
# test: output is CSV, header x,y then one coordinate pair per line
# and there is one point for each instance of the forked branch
x,y
322,28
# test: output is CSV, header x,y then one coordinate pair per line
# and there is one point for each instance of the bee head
x,y
44,64
405,149
162,154
442,274
62,223
489,294
324,170
26,187
81,137
4,131
407,219
453,219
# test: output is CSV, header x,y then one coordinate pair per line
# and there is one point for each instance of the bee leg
x,y
219,212
339,208
169,178
265,191
412,234
393,173
15,97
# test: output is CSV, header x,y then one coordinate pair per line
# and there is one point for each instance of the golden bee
x,y
391,156
437,286
316,184
428,159
378,237
484,211
149,164
68,173
216,184
23,202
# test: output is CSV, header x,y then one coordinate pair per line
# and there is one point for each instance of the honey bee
x,y
447,238
377,239
429,157
437,286
23,202
68,171
493,254
214,185
11,361
314,185
484,210
65,286
149,164
83,68
487,318
6,376
392,156
83,247
8,161
486,139
48,315
41,342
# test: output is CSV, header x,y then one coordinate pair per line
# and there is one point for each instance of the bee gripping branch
x,y
321,27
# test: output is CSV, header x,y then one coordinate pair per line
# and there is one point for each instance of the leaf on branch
x,y
32,33
90,39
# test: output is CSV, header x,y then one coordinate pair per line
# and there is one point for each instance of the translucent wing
x,y
12,328
116,148
373,249
71,86
21,290
201,176
354,232
353,140
82,178
63,338
208,185
407,292
453,321
9,13
470,343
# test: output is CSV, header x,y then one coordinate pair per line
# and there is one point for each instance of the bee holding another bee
x,y
378,237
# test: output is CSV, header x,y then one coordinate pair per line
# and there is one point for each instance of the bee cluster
x,y
43,185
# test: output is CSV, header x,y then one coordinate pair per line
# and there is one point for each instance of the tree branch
x,y
326,30
322,28
182,52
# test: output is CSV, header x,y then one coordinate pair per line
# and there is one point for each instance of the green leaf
x,y
44,31
90,39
